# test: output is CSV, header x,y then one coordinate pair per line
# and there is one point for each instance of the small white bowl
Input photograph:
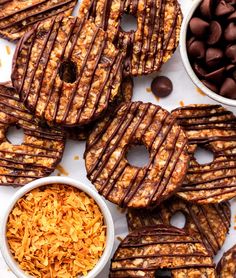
x,y
187,65
11,262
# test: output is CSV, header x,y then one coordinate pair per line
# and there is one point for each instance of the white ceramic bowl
x,y
187,65
13,265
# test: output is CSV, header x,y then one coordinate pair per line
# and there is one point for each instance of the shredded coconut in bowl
x,y
56,231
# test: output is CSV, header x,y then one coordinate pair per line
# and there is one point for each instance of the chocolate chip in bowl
x,y
207,46
56,227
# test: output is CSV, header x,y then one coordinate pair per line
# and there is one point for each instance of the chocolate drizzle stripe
x,y
73,93
10,183
34,14
223,213
117,61
199,107
120,131
204,116
36,175
43,148
153,16
201,171
35,168
15,107
132,191
159,188
189,188
24,40
212,139
90,171
92,79
214,195
161,256
211,180
26,154
124,150
197,265
160,12
40,56
211,229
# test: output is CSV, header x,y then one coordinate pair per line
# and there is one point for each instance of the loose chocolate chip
x,y
230,52
228,88
198,27
210,85
232,16
161,86
230,32
215,32
201,72
223,8
197,50
213,56
216,76
206,8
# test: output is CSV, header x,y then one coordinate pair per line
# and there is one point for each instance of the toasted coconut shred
x,y
56,231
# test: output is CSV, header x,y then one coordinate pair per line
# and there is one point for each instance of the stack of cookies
x,y
72,78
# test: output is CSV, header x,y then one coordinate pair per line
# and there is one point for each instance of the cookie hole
x,y
129,23
178,220
15,135
68,71
203,156
164,273
138,156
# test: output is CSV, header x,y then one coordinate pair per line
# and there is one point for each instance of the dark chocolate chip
x,y
230,52
197,50
198,27
215,32
230,32
223,8
206,8
232,16
201,72
210,86
161,86
228,88
216,76
213,56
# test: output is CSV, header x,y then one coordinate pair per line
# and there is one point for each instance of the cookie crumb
x,y
149,90
8,49
119,238
76,157
200,91
61,170
157,98
181,103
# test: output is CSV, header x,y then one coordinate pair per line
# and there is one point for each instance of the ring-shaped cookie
x,y
208,223
149,250
136,123
210,127
156,37
66,71
40,151
17,16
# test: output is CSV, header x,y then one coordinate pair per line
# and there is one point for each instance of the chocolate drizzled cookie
x,y
42,147
82,133
66,71
17,16
156,37
147,251
214,128
226,268
208,223
137,123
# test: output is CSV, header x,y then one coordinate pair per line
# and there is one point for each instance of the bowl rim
x,y
110,231
186,63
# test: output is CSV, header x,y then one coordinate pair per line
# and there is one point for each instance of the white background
x,y
183,91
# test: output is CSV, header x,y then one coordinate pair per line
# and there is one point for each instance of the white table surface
x,y
183,91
